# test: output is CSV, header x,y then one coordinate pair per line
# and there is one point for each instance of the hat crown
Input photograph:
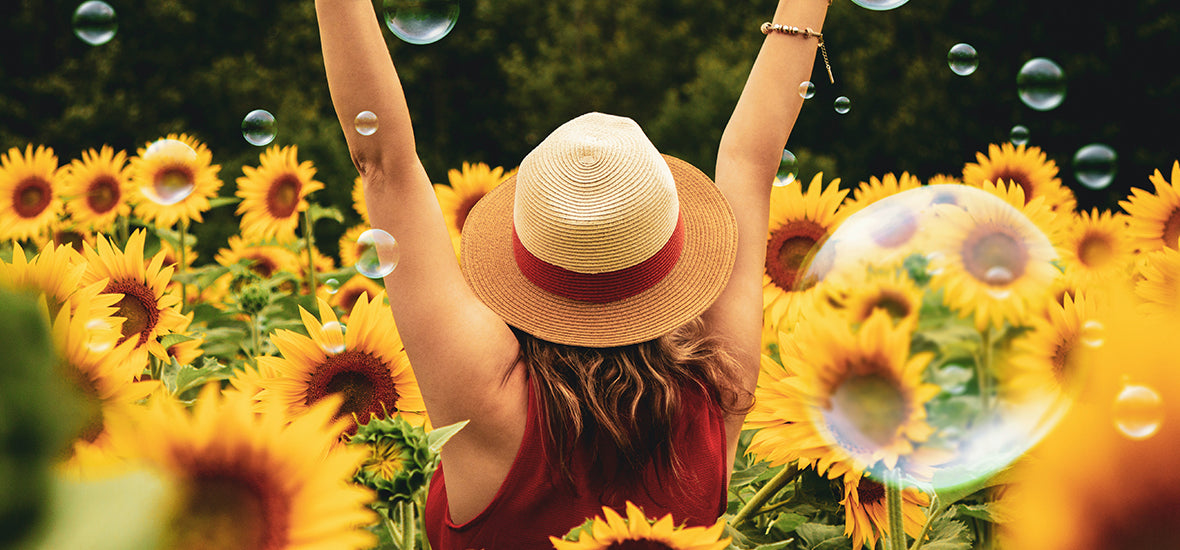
x,y
595,196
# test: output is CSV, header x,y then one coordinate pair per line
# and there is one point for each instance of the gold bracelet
x,y
769,27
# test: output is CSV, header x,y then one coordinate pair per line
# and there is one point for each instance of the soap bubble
x,y
806,89
958,271
1137,412
788,169
174,181
962,59
842,104
1095,165
1041,84
95,22
377,254
1018,135
331,286
258,127
332,337
879,5
365,123
421,21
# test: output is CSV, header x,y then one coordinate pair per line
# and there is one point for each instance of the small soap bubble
x,y
1018,135
378,254
421,21
1092,334
788,169
1095,165
173,182
366,123
806,89
333,337
842,104
1041,84
331,286
1137,412
962,59
259,127
95,22
100,335
879,5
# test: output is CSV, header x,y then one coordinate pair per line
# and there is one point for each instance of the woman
x,y
603,333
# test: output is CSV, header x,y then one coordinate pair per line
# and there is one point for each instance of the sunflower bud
x,y
253,298
400,459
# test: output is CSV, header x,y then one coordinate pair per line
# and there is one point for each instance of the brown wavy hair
x,y
626,399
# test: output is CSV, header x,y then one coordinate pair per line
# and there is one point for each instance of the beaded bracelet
x,y
769,27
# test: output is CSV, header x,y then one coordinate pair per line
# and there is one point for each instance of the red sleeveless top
x,y
534,502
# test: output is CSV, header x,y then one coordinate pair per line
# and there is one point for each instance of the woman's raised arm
x,y
747,160
458,347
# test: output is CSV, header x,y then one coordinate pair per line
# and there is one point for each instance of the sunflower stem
x,y
771,488
408,535
180,268
896,531
255,340
983,366
394,533
124,229
307,239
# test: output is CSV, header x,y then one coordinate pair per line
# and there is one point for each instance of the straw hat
x,y
599,240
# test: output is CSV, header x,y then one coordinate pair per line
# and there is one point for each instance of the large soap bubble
x,y
946,287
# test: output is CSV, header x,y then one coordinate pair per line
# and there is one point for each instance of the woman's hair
x,y
625,400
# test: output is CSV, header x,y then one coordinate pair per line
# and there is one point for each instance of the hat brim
x,y
690,287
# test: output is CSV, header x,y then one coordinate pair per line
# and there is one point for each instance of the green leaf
x,y
222,201
785,523
989,511
774,545
168,373
439,436
169,340
317,212
191,377
744,477
108,514
819,535
948,534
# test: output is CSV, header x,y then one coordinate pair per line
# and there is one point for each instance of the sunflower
x,y
263,259
89,357
358,199
57,272
855,398
612,531
349,250
1096,248
147,308
66,232
346,295
876,189
30,199
994,262
189,350
865,516
274,194
943,179
1055,357
1155,217
891,291
97,185
363,362
1028,167
247,480
1106,477
466,188
1158,284
799,224
170,168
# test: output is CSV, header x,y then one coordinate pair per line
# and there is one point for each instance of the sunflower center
x,y
283,196
638,544
31,197
994,257
788,250
1171,232
347,299
1141,524
867,411
90,404
103,195
264,265
69,237
226,511
465,209
1095,250
870,492
897,306
137,307
360,378
1016,177
896,226
386,458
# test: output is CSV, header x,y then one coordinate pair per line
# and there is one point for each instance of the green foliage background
x,y
512,70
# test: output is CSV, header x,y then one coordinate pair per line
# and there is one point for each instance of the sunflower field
x,y
966,359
